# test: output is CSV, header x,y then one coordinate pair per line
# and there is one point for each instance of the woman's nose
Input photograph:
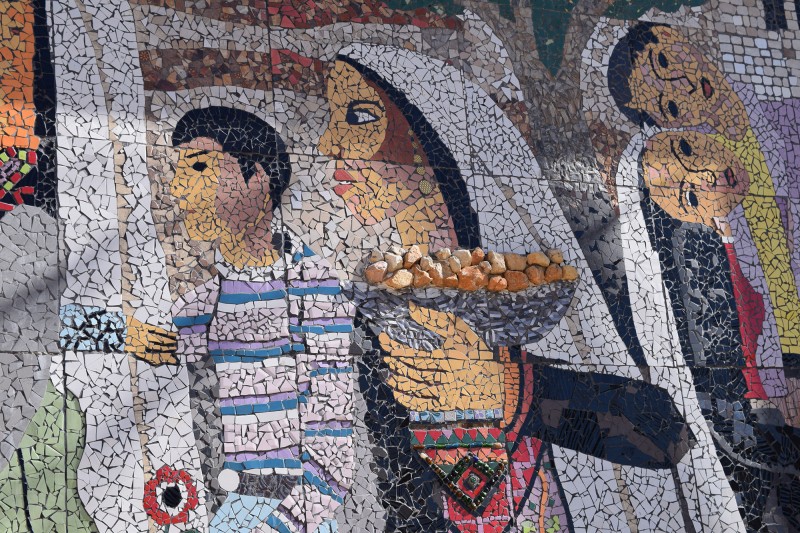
x,y
327,146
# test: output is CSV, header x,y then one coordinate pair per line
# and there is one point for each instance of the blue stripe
x,y
253,356
275,523
323,487
308,252
238,466
306,329
269,407
302,291
330,370
329,432
333,328
185,321
261,352
242,298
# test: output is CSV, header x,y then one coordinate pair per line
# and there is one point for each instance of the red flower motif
x,y
164,494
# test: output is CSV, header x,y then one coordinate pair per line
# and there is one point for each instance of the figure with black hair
x,y
229,181
392,167
718,177
272,368
657,77
692,183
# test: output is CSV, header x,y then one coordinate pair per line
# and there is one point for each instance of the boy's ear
x,y
260,175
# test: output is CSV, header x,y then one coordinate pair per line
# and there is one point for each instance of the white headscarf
x,y
516,209
658,334
518,213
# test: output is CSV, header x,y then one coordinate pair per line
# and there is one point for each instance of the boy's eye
x,y
200,166
356,116
691,199
662,60
685,148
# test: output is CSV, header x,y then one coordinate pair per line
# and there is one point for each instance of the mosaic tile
x,y
458,266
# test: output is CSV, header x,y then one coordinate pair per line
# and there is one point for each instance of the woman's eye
x,y
662,60
200,166
691,199
685,148
356,116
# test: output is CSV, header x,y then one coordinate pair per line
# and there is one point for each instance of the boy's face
x,y
693,177
212,193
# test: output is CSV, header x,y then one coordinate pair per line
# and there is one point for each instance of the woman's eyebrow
x,y
196,154
370,102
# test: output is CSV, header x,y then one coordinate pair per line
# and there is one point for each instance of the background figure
x,y
658,79
362,105
266,342
695,180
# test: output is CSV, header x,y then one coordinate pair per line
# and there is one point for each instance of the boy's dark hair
x,y
620,68
243,135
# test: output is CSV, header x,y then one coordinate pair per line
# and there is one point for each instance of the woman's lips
x,y
347,181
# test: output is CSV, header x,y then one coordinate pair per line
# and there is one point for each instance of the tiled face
x,y
197,177
678,86
358,116
693,176
381,168
236,293
356,132
213,194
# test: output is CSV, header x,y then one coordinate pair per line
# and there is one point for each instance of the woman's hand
x,y
462,374
149,343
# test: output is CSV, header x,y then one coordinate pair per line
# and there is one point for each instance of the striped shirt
x,y
279,340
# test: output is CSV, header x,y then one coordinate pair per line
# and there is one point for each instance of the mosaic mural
x,y
287,266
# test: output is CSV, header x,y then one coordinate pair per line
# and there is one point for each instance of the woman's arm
x,y
622,420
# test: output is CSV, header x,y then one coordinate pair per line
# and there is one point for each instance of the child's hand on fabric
x,y
149,343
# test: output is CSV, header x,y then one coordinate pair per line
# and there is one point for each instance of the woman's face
x,y
693,177
678,86
372,186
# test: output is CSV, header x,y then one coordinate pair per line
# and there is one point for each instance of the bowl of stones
x,y
507,299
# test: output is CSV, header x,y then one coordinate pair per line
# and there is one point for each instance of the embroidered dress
x,y
495,478
278,339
